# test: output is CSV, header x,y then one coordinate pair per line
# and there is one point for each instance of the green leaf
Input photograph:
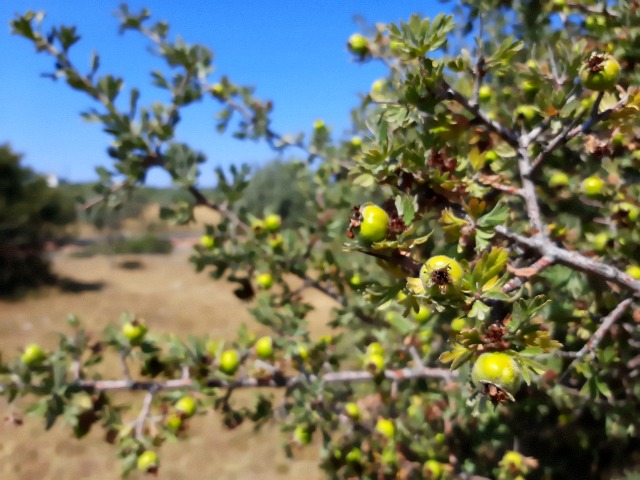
x,y
457,357
505,52
406,208
480,310
67,37
110,86
486,273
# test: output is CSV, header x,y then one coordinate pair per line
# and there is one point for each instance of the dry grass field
x,y
172,298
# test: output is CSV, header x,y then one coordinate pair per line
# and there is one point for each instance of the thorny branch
x,y
273,380
572,259
596,338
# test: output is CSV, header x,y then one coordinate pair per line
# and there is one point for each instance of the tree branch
x,y
574,260
528,190
273,381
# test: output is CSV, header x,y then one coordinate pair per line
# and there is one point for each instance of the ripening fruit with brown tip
x,y
600,72
148,461
498,369
441,274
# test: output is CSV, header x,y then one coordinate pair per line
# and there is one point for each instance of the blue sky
x,y
293,52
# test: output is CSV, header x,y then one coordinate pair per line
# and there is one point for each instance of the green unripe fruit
x,y
352,411
498,369
375,348
272,223
134,331
632,211
302,352
529,113
377,86
148,461
319,125
257,226
265,280
207,241
617,141
422,315
302,435
491,156
354,455
276,240
217,90
512,462
595,22
592,186
374,225
386,427
355,281
433,470
186,406
443,273
356,142
485,93
33,355
174,422
600,72
358,44
559,179
229,362
633,271
600,241
458,324
264,348
375,363
529,88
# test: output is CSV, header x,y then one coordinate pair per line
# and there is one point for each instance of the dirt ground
x,y
171,297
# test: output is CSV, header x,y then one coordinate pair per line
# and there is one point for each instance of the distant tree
x,y
279,187
31,213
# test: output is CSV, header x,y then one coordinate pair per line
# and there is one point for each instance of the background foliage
x,y
31,213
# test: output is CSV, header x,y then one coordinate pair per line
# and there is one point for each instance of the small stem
x,y
523,274
144,413
506,134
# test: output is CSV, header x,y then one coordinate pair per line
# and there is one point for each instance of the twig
x,y
506,134
92,202
417,359
202,200
125,366
478,71
144,413
523,274
597,337
581,7
321,288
